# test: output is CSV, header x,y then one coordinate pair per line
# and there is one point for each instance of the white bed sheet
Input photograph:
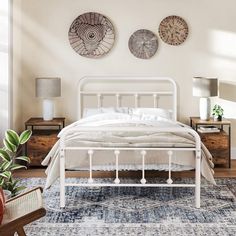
x,y
128,160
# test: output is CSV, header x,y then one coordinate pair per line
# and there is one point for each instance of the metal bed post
x,y
198,178
62,173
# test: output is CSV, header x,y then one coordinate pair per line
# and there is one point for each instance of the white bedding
x,y
128,160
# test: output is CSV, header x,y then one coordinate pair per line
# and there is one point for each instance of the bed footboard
x,y
143,153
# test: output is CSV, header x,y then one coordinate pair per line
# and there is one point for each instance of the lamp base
x,y
48,109
205,108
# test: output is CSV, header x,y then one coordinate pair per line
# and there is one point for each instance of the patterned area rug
x,y
138,211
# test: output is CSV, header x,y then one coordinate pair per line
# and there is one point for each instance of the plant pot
x,y
217,118
7,194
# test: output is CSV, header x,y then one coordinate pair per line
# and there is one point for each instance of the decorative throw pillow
x,y
2,204
158,112
94,111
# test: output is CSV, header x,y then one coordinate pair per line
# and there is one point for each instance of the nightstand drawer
x,y
218,146
44,136
215,141
218,156
39,145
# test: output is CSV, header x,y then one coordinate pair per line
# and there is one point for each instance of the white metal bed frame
x,y
143,151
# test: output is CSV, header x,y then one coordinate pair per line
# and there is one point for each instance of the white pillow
x,y
158,112
94,111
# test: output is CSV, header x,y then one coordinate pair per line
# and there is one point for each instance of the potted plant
x,y
8,157
217,112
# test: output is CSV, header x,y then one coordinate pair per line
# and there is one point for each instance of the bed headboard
x,y
132,87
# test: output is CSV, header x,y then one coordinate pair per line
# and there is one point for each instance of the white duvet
x,y
128,160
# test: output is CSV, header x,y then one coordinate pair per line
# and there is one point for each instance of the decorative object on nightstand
x,y
205,88
208,129
44,136
217,112
48,88
216,137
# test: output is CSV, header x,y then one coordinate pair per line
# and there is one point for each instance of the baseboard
x,y
233,153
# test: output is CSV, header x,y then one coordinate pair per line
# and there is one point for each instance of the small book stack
x,y
208,129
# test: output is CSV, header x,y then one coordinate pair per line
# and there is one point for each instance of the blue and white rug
x,y
137,211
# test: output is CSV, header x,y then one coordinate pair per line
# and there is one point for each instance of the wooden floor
x,y
37,172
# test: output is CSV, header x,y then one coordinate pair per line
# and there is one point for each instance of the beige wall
x,y
41,48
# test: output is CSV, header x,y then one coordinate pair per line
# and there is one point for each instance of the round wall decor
x,y
143,43
173,30
91,35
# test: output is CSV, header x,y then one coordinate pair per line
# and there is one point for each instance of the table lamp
x,y
48,88
205,88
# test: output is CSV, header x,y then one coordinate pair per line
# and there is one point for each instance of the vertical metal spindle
x,y
117,100
154,100
117,153
99,100
169,180
136,98
143,180
90,180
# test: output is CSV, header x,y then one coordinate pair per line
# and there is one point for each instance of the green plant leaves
x,y
9,146
12,137
5,156
17,166
13,187
217,110
24,137
23,158
6,165
2,166
18,189
14,182
6,174
7,159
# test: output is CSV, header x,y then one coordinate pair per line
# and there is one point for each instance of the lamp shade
x,y
48,87
205,87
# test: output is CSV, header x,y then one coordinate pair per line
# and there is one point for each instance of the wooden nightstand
x,y
44,136
217,143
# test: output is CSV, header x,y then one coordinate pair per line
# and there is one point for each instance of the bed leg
x,y
143,154
90,153
117,153
62,179
169,180
198,180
